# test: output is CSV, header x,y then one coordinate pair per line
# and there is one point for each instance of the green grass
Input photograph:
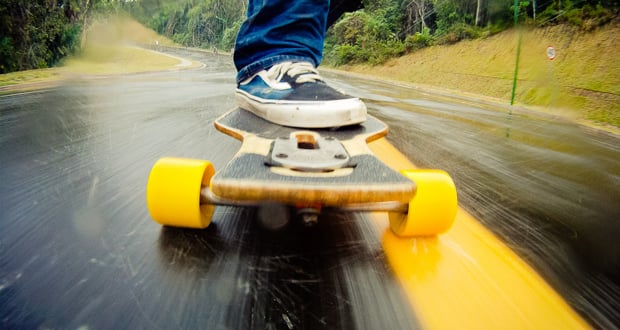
x,y
582,83
109,60
30,76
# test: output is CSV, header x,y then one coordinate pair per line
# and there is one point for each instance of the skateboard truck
x,y
307,151
207,197
308,214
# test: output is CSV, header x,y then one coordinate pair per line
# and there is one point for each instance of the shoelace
x,y
301,72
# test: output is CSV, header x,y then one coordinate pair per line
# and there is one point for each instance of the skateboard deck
x,y
329,167
306,169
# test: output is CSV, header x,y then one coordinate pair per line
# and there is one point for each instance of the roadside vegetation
x,y
109,47
38,34
582,82
386,29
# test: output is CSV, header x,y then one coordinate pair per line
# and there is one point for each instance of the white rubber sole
x,y
305,114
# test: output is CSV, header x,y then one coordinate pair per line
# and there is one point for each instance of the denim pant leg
x,y
280,30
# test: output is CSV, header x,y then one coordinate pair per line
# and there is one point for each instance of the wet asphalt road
x,y
78,248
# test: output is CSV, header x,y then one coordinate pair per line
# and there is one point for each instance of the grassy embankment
x,y
581,83
107,50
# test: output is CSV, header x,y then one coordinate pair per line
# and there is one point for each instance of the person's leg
x,y
278,31
278,49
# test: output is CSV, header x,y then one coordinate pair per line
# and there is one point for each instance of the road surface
x,y
78,248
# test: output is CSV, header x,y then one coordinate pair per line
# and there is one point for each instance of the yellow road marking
x,y
467,278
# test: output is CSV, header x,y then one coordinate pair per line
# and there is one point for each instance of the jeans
x,y
284,30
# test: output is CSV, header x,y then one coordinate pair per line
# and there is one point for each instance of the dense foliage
x,y
38,33
196,23
388,28
35,34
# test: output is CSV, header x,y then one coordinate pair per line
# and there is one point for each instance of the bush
x,y
230,36
587,17
383,51
594,17
182,38
460,32
362,37
6,53
418,41
67,42
36,34
349,54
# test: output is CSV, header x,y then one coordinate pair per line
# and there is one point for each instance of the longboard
x,y
309,169
292,166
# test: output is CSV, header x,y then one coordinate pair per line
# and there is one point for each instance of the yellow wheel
x,y
173,192
432,209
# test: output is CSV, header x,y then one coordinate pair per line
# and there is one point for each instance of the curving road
x,y
78,248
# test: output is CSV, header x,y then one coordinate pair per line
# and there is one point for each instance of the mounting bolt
x,y
310,220
309,216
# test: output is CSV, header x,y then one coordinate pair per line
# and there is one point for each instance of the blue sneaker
x,y
294,94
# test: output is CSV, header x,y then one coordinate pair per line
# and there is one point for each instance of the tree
x,y
38,33
417,15
197,23
478,12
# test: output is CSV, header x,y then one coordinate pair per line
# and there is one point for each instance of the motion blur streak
x,y
78,249
468,279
